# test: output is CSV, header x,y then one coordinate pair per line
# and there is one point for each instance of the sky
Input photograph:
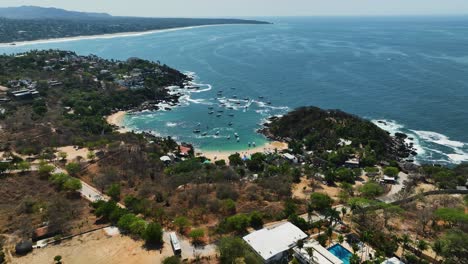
x,y
249,8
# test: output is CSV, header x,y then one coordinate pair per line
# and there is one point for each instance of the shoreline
x,y
117,119
104,36
268,147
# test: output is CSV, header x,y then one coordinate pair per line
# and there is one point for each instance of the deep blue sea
x,y
411,72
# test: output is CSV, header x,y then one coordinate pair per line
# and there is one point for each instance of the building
x,y
352,163
290,157
393,260
320,255
273,243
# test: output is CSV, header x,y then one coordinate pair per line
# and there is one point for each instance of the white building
x,y
393,260
273,243
320,255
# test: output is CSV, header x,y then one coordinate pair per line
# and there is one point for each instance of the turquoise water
x,y
341,252
410,72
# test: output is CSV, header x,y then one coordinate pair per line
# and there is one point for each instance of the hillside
x,y
321,130
34,12
34,23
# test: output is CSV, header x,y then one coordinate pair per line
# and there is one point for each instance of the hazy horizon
x,y
256,8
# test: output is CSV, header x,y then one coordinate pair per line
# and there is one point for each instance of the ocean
x,y
410,72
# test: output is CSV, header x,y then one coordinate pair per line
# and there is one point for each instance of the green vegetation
x,y
40,23
65,182
234,249
321,130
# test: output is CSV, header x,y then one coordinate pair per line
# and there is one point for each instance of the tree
x,y
405,240
114,191
354,259
391,171
422,245
371,190
4,167
126,221
256,220
72,184
91,155
182,223
454,246
235,160
172,260
438,248
62,155
73,168
138,227
58,259
45,169
320,202
390,211
233,248
289,208
238,223
153,233
23,166
452,216
296,174
196,235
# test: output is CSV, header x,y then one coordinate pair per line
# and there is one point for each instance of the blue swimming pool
x,y
341,252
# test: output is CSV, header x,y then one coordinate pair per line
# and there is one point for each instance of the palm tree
x,y
422,245
438,247
329,233
354,259
343,211
405,240
310,251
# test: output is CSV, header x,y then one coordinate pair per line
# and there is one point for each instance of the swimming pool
x,y
341,252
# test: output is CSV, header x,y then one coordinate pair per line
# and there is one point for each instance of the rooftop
x,y
320,254
271,241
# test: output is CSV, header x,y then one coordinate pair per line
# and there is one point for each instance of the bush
x,y
114,191
256,220
126,221
225,191
196,235
391,171
73,168
153,234
172,260
371,190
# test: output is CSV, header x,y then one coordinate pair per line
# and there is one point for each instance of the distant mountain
x,y
35,12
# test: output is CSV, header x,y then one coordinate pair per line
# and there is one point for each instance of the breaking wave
x,y
432,147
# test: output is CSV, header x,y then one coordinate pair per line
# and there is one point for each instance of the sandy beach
x,y
117,119
270,147
102,36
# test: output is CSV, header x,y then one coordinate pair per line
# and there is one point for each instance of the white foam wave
x,y
171,124
426,142
439,139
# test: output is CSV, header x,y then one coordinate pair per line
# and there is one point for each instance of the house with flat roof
x,y
273,243
320,255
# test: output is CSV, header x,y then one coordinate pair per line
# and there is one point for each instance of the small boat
x,y
236,135
204,134
218,115
220,111
234,96
231,114
268,103
211,112
228,137
238,103
196,131
199,124
210,108
246,99
253,144
217,133
230,108
261,97
230,124
238,139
